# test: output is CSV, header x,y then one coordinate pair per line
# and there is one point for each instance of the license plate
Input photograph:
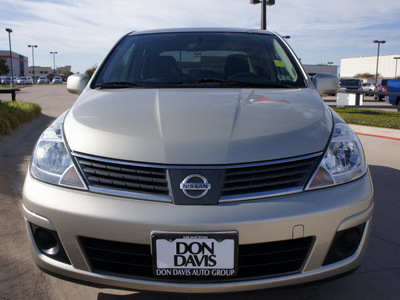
x,y
195,254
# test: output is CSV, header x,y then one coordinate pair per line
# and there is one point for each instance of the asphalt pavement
x,y
377,278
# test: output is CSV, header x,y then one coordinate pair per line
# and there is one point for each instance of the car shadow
x,y
376,274
15,149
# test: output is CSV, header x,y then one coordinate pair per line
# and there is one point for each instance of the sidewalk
x,y
377,131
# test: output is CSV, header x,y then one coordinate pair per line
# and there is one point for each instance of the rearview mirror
x,y
77,83
326,83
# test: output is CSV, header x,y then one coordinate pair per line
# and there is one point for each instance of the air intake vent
x,y
255,260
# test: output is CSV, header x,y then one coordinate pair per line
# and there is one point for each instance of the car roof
x,y
203,29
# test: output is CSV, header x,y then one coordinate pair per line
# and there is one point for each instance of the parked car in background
x,y
57,79
199,160
381,86
369,86
22,80
42,79
29,80
5,80
350,84
393,86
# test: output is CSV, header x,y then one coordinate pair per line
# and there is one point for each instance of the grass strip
x,y
13,113
369,117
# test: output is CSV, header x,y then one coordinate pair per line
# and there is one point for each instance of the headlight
x,y
343,161
51,161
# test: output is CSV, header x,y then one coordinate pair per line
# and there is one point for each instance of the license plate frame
x,y
195,254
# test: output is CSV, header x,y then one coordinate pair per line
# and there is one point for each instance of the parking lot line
x,y
379,136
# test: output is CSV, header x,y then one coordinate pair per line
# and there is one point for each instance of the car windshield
x,y
384,82
200,59
350,82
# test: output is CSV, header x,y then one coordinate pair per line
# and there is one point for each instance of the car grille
x,y
123,176
241,182
255,260
268,177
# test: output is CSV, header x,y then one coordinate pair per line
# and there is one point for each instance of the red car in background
x,y
381,87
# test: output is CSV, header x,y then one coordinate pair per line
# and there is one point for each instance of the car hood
x,y
198,126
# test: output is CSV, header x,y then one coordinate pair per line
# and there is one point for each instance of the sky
x,y
82,32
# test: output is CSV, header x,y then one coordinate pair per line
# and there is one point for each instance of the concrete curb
x,y
379,132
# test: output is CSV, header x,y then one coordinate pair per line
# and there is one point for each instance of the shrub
x,y
13,113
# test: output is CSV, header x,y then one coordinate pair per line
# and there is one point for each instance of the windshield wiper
x,y
119,85
202,80
228,82
262,84
237,83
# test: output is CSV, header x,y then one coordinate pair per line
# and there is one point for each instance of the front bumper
x,y
319,214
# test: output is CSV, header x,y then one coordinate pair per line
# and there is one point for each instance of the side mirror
x,y
77,83
326,83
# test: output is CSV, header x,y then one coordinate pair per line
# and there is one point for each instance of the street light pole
x,y
264,4
395,70
377,57
54,61
33,61
264,15
9,30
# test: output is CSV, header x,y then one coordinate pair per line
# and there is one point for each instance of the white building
x,y
349,67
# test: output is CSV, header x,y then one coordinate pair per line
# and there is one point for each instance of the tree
x,y
364,75
67,73
4,69
90,71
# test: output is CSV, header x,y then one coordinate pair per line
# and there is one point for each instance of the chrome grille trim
x,y
167,197
254,196
140,196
